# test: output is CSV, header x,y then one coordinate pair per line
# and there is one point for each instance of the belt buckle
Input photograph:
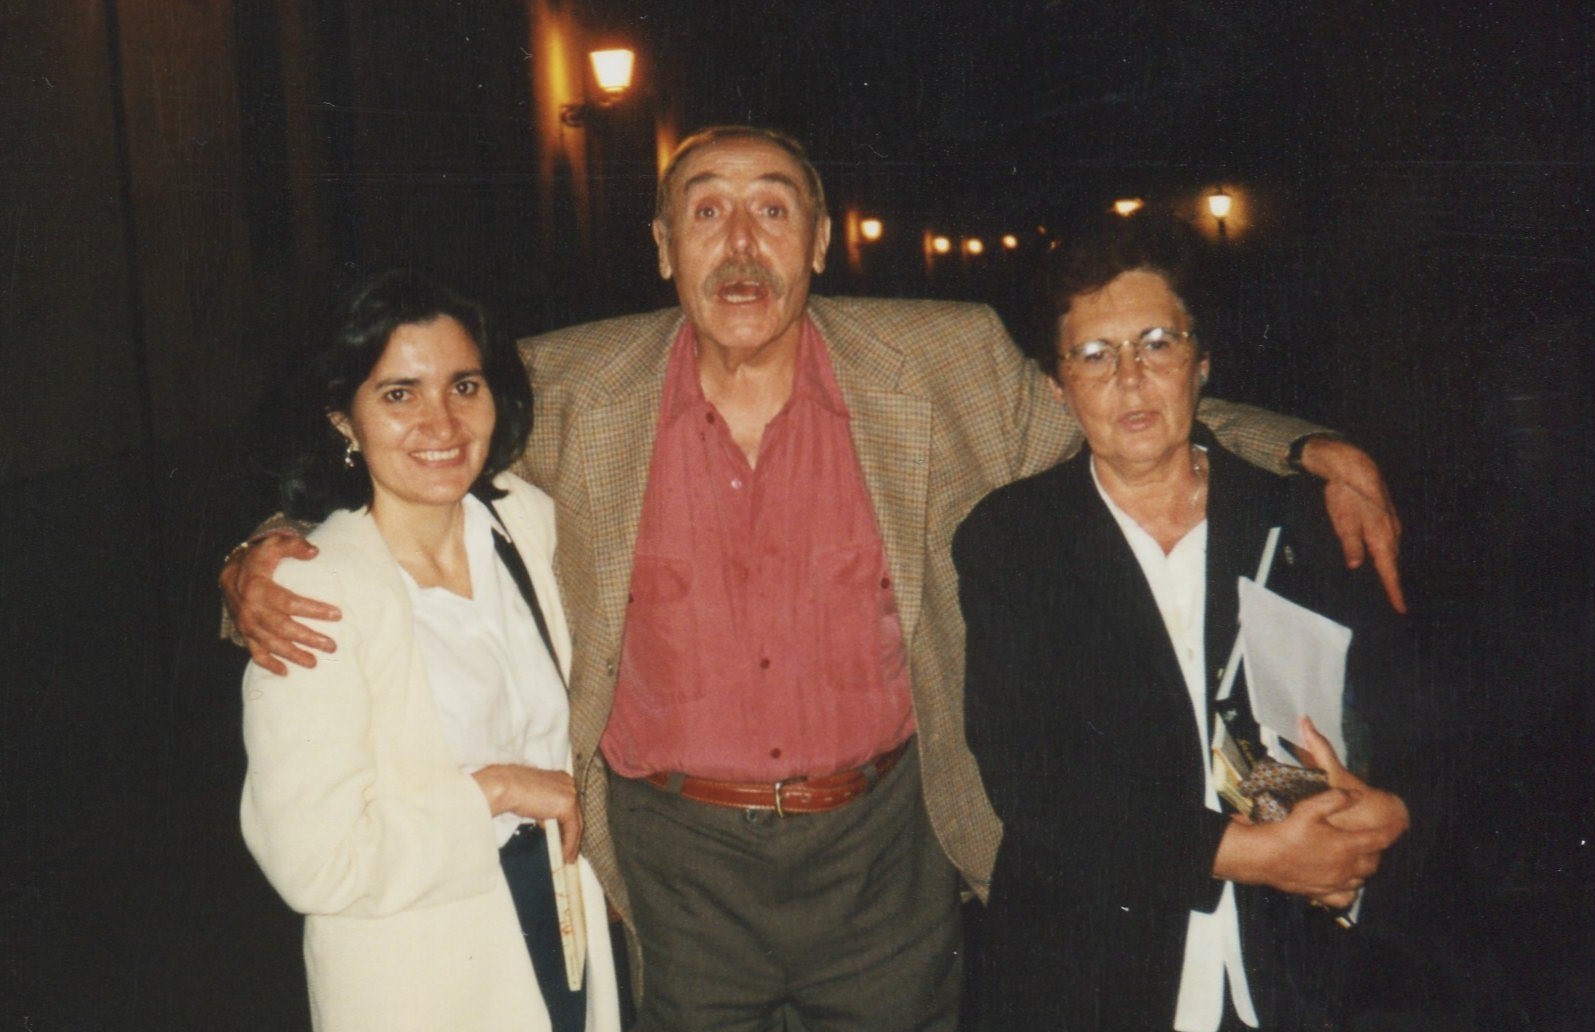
x,y
779,785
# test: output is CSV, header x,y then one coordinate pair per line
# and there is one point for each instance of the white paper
x,y
1295,665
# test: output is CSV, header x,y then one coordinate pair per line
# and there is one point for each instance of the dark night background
x,y
180,180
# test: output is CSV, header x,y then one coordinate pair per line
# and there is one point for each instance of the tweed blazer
x,y
943,409
360,818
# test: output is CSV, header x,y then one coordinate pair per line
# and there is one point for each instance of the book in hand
x,y
1259,786
1265,789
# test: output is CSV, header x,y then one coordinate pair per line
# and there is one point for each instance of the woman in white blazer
x,y
406,792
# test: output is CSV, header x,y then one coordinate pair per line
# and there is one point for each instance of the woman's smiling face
x,y
423,420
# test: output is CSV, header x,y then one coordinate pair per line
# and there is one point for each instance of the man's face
x,y
740,239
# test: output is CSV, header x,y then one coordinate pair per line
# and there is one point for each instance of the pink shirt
x,y
762,639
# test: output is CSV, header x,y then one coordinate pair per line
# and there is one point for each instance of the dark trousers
x,y
525,861
846,921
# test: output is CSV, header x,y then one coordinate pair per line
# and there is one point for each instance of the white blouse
x,y
1212,941
496,687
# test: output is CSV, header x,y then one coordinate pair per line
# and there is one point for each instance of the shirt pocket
x,y
854,603
659,660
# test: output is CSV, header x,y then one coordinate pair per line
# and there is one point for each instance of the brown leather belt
x,y
787,796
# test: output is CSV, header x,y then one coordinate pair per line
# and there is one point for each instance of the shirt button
x,y
775,754
764,664
736,484
708,417
886,582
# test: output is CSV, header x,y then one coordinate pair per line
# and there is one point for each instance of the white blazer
x,y
360,818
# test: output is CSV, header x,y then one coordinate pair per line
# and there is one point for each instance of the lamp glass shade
x,y
1218,203
612,69
1127,206
870,229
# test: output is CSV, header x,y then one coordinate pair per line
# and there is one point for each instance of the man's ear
x,y
662,242
822,242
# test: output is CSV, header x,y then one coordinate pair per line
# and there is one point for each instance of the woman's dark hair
x,y
354,334
1093,255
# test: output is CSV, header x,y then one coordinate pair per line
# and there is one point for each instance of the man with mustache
x,y
756,495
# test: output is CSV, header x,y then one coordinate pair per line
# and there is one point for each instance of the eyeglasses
x,y
1159,350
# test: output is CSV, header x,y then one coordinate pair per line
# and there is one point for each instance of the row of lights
x,y
970,245
1219,205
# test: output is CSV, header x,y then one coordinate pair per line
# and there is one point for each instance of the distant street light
x,y
1219,203
974,246
1010,241
941,245
1127,206
870,229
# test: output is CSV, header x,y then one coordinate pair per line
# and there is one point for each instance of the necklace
x,y
1199,471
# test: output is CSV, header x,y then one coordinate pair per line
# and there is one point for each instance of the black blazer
x,y
1079,717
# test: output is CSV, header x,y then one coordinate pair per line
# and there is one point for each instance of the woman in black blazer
x,y
1088,689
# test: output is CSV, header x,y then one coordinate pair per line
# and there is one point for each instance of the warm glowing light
x,y
870,229
612,69
974,245
941,245
1010,241
1127,206
1218,202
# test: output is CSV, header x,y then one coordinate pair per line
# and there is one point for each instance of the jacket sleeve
x,y
328,839
1260,437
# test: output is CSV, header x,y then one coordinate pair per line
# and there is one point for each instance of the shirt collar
x,y
813,380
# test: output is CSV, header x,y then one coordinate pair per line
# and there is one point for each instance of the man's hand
x,y
1359,506
264,612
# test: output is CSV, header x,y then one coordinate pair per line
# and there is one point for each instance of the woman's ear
x,y
1057,390
340,422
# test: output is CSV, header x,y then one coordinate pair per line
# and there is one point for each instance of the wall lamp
x,y
612,71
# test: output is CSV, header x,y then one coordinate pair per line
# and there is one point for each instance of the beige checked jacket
x,y
943,410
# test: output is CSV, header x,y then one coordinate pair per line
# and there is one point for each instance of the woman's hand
x,y
1328,847
1371,809
537,795
1305,854
264,612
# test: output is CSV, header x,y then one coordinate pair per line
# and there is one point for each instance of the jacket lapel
x,y
1236,533
615,440
890,426
1114,581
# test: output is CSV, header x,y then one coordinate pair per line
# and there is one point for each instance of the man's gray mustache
x,y
745,272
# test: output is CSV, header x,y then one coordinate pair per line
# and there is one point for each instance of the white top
x,y
1212,941
497,689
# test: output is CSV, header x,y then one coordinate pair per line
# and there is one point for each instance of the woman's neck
x,y
429,542
1166,499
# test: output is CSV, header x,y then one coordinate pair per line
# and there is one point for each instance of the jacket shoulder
x,y
562,356
903,319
